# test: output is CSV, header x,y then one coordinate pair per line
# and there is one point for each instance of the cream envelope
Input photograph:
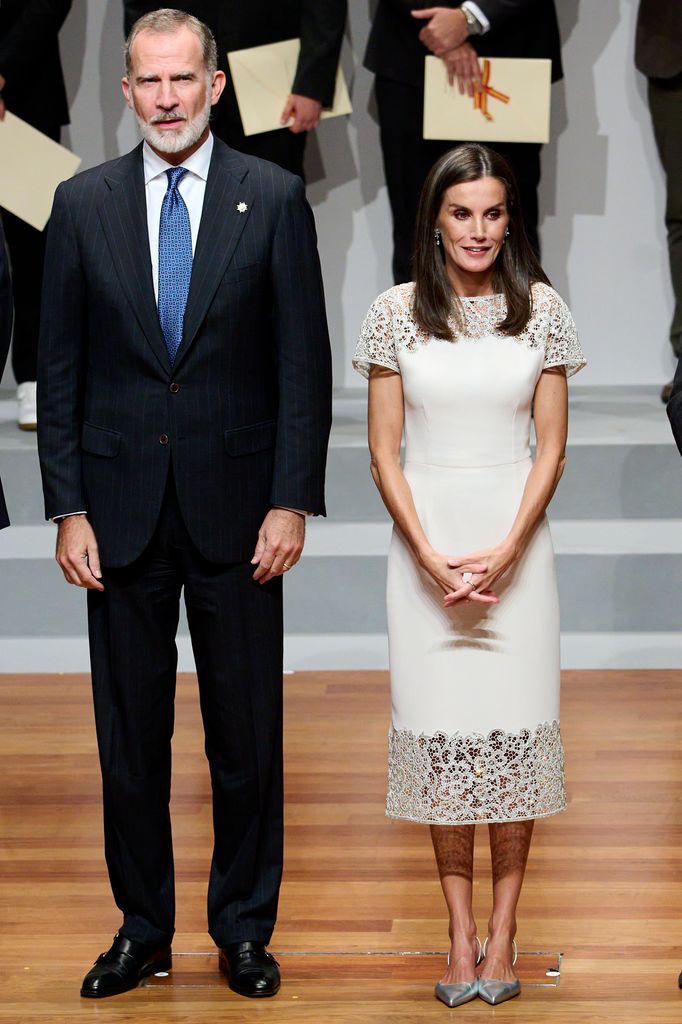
x,y
263,77
31,167
512,107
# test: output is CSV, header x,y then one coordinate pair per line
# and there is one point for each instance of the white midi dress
x,y
475,733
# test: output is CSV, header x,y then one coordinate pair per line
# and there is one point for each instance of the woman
x,y
458,359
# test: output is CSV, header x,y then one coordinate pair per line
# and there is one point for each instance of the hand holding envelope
x,y
31,168
510,103
263,77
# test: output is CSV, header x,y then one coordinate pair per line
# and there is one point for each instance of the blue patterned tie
x,y
175,262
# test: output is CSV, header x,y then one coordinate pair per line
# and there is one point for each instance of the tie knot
x,y
175,175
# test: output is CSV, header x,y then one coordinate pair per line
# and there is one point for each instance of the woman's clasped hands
x,y
469,577
479,581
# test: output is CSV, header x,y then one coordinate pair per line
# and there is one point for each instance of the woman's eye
x,y
461,215
494,214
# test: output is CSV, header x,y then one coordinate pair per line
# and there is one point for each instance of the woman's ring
x,y
466,578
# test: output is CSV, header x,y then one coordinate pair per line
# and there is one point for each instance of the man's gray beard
x,y
178,139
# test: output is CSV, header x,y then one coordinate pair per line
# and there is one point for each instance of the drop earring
x,y
436,236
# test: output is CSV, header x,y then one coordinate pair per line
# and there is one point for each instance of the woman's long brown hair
x,y
516,269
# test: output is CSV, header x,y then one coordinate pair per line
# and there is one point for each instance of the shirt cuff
x,y
65,515
299,511
478,14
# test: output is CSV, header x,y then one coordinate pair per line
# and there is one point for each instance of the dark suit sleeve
x,y
322,26
498,12
30,36
405,6
675,407
501,12
303,359
61,358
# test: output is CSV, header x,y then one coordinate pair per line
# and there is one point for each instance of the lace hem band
x,y
463,780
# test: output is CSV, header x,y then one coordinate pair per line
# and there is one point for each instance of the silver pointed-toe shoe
x,y
495,992
457,993
460,991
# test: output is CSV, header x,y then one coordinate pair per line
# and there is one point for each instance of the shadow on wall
x,y
76,27
111,69
345,174
583,163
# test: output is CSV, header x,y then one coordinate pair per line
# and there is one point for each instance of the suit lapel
x,y
223,219
124,220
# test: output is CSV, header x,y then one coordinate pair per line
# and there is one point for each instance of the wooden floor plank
x,y
604,883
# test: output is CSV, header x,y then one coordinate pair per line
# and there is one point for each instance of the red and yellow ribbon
x,y
484,90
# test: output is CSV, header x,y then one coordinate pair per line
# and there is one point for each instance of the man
x,y
403,33
32,87
658,55
184,412
237,25
5,335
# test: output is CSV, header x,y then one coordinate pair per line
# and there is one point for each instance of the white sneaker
x,y
28,414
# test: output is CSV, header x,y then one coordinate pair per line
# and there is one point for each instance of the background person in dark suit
x,y
184,412
237,25
403,33
658,55
675,417
5,336
32,87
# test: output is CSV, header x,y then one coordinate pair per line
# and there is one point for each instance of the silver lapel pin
x,y
242,207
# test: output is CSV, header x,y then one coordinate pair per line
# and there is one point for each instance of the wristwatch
x,y
473,24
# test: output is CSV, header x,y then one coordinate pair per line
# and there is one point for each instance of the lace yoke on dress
x,y
389,328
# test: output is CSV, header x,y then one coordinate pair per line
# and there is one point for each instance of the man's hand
x,y
78,554
462,64
2,102
305,112
445,29
280,543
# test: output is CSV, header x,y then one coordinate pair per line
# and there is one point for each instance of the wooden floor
x,y
604,884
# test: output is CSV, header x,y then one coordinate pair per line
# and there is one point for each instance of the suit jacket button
x,y
174,388
163,439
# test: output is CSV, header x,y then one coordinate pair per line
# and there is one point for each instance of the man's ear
x,y
125,86
217,86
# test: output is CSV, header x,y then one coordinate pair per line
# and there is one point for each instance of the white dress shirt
x,y
478,14
192,188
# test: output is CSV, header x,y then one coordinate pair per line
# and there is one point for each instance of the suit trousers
x,y
236,632
665,104
408,158
26,248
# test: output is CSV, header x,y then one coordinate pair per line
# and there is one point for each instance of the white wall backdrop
x,y
602,191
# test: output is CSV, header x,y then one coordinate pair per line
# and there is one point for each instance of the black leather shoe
x,y
123,966
250,969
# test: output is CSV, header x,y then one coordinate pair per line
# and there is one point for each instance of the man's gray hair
x,y
168,20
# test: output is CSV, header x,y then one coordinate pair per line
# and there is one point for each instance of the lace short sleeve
x,y
376,344
562,347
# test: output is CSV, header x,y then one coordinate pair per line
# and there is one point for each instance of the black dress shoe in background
x,y
250,969
123,966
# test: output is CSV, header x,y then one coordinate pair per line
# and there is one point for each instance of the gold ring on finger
x,y
287,566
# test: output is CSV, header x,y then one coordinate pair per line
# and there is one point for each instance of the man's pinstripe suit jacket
x,y
243,415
